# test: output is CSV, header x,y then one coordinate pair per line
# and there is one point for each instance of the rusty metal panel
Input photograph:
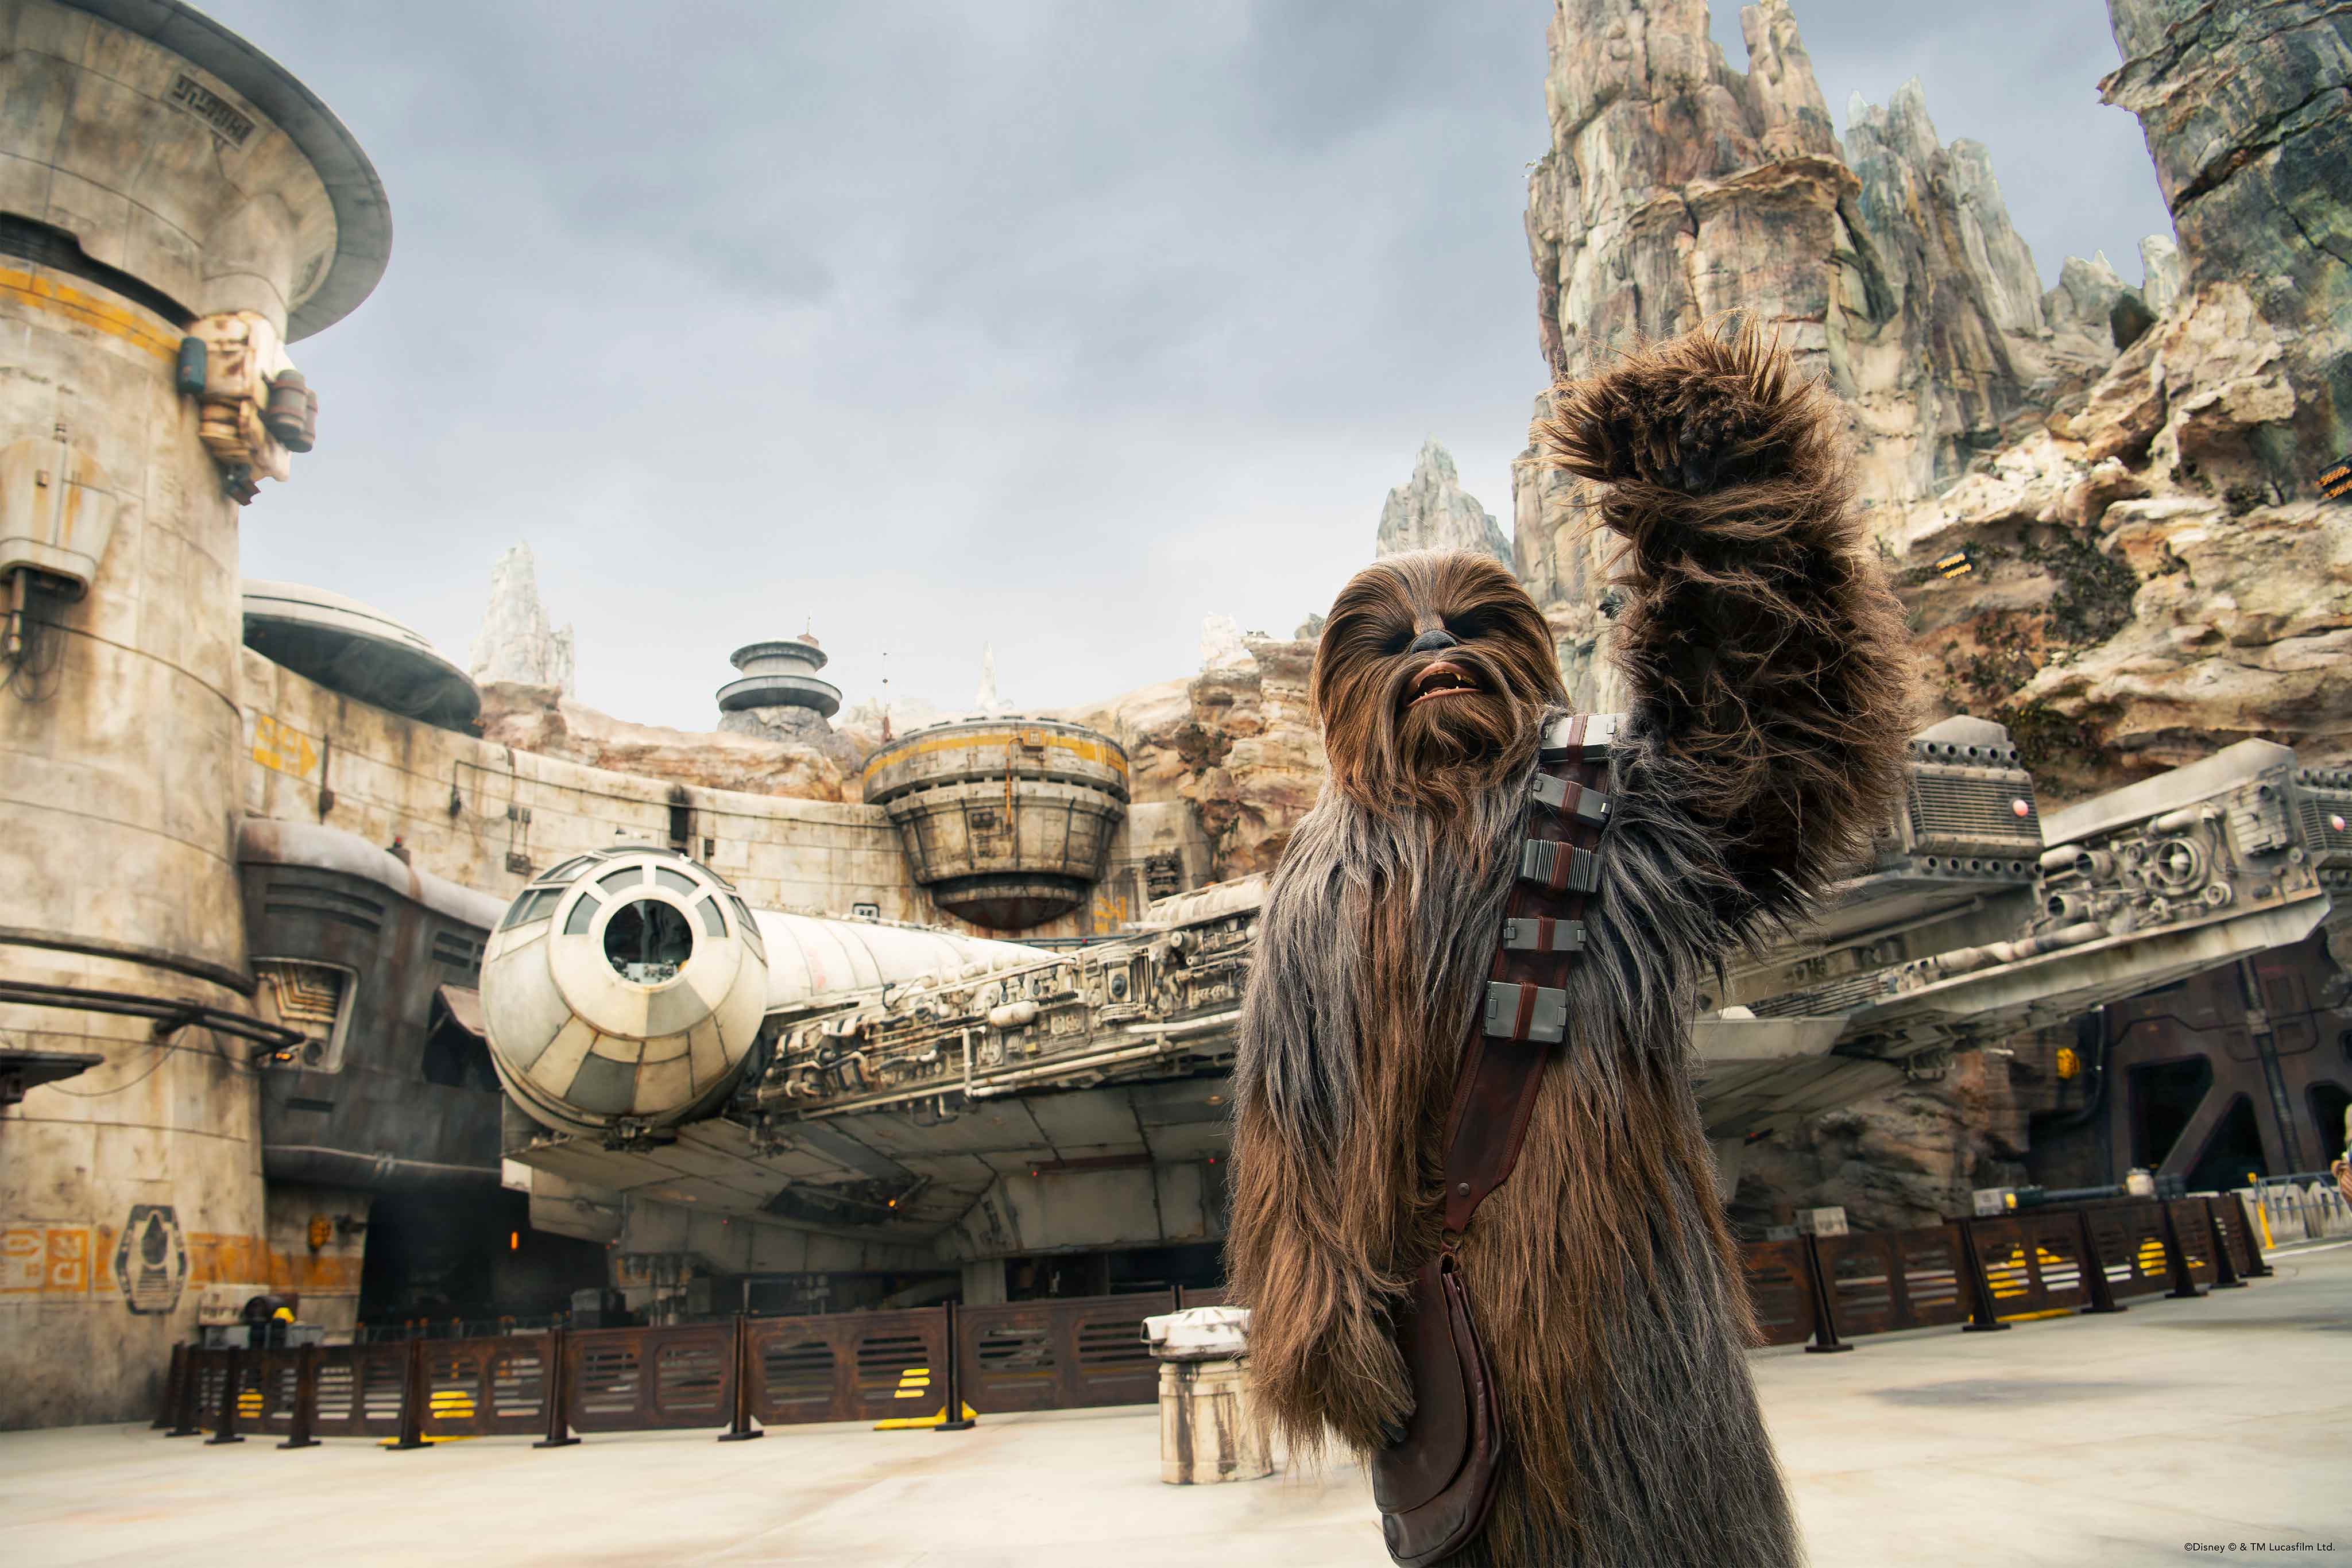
x,y
1933,1277
1863,1274
625,1380
1010,1357
2129,1239
1109,1362
266,1401
1779,1288
359,1391
485,1387
848,1366
2230,1213
1059,1354
2032,1263
2194,1237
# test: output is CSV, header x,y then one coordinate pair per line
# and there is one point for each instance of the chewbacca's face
x,y
1431,671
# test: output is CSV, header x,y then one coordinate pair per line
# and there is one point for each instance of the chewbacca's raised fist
x,y
1699,413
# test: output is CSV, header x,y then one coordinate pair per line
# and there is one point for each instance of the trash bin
x,y
1206,1431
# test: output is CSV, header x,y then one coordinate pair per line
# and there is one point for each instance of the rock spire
x,y
1430,511
516,643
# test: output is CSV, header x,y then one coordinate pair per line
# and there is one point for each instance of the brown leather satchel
x,y
1436,1485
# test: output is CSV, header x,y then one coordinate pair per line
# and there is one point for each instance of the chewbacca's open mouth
x,y
1441,680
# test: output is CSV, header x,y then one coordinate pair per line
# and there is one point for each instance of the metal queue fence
x,y
932,1365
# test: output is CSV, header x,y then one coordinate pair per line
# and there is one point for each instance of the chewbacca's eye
x,y
1396,641
1470,624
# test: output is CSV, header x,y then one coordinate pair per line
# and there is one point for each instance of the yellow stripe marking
x,y
1087,750
132,325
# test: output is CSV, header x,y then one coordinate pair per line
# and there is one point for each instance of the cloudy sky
x,y
1054,326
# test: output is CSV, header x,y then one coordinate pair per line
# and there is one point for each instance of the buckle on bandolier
x,y
1572,799
1560,867
1517,1011
1600,735
1541,934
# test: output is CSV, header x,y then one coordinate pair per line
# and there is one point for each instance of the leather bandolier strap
x,y
1435,1484
1525,1009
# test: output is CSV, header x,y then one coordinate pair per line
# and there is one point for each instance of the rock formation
x,y
1430,511
2247,110
1237,741
1222,646
2159,263
516,643
1909,1156
2147,579
985,702
792,727
538,718
2152,575
2098,501
1676,189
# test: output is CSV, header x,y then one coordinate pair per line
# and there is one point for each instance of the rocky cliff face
x,y
1909,1156
1237,742
2247,109
2097,499
2150,576
1430,511
516,643
1676,188
539,719
795,728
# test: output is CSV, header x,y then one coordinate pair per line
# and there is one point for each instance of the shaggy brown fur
x,y
1764,744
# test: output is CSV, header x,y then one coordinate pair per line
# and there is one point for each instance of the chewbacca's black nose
x,y
1431,641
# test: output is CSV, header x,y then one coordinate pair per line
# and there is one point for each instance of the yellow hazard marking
x,y
1093,751
283,748
911,1422
913,1383
128,322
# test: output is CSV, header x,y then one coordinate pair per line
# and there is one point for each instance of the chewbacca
x,y
1769,674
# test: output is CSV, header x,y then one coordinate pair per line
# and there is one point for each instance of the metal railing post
x,y
413,1396
2094,1270
739,1425
191,1395
1982,1318
172,1375
224,1424
2176,1259
951,1374
2225,1273
2258,1267
1825,1334
305,1400
556,1379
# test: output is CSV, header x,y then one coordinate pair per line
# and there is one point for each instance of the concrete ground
x,y
2143,1438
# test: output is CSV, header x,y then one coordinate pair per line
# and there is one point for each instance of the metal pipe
x,y
177,1012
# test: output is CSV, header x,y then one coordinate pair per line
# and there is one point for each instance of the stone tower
x,y
175,208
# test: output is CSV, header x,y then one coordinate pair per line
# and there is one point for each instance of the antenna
x,y
886,696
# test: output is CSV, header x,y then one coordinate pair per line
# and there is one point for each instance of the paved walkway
x,y
2112,1440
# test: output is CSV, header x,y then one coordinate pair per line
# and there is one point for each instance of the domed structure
x,y
623,987
360,652
1006,822
780,674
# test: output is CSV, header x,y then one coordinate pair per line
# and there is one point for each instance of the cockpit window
x,y
535,905
648,941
